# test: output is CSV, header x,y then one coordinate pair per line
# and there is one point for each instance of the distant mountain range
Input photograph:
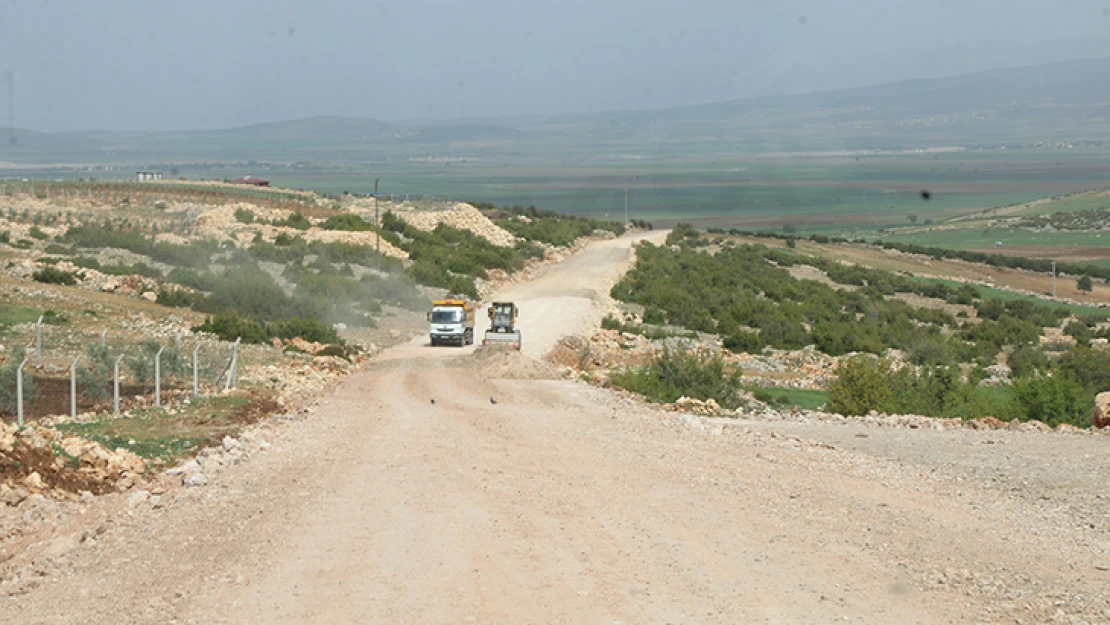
x,y
1067,101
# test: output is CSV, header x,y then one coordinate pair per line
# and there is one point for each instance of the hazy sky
x,y
186,64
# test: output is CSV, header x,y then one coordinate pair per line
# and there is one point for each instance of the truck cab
x,y
451,321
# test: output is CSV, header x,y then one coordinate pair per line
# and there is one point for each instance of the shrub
x,y
244,215
36,233
297,221
250,292
743,341
610,322
229,327
347,222
1080,332
1026,361
1087,367
672,375
191,278
53,275
142,367
861,385
94,376
177,298
1054,400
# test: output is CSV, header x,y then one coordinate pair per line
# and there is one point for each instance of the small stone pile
x,y
366,238
88,279
42,459
219,223
913,422
707,408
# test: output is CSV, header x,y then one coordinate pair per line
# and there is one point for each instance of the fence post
x,y
235,363
232,365
177,340
73,389
158,376
19,392
103,336
115,390
196,373
38,342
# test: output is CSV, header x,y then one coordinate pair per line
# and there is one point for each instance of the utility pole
x,y
378,223
11,107
1053,278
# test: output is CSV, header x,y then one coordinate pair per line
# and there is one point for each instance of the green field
x,y
830,193
987,292
986,239
791,397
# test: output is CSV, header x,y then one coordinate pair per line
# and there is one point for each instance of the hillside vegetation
x,y
744,294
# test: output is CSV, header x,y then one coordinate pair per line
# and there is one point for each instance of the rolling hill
x,y
1067,101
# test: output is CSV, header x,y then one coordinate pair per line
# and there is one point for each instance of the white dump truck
x,y
451,321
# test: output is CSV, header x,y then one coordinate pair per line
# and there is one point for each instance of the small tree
x,y
1084,284
912,218
95,374
142,363
862,384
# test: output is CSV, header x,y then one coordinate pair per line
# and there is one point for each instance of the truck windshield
x,y
446,316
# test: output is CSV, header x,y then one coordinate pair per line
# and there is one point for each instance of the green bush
x,y
53,275
865,383
229,327
296,220
861,385
201,281
1080,332
1026,361
250,292
244,215
1054,400
1087,367
347,222
37,233
553,228
177,298
94,375
742,341
610,322
672,375
142,363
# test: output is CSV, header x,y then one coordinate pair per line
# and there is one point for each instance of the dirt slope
x,y
563,503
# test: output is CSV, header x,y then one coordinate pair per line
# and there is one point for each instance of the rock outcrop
x,y
1100,418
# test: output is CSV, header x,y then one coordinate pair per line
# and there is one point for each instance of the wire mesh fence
x,y
54,373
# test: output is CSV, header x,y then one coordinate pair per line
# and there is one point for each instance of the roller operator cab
x,y
451,322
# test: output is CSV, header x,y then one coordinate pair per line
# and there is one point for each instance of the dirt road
x,y
562,503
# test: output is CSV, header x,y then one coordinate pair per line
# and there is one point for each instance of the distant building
x,y
147,176
258,182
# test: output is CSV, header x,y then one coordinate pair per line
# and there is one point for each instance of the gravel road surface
x,y
564,503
